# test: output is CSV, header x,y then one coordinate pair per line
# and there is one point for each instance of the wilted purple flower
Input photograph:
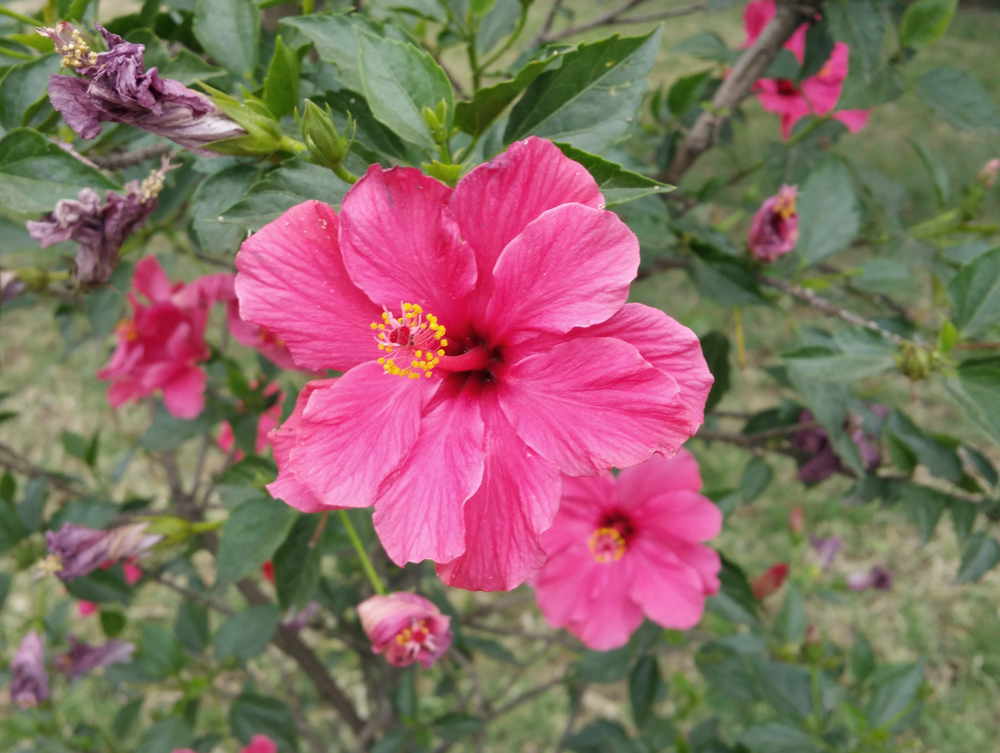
x,y
78,550
826,549
774,230
299,621
824,461
115,88
11,286
29,682
878,577
100,230
83,658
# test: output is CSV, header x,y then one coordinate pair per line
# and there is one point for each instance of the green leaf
x,y
252,533
296,564
923,507
715,348
616,183
5,581
246,634
828,403
729,665
229,30
959,99
937,172
191,626
35,173
790,622
188,68
829,217
32,505
102,587
456,725
12,528
841,367
687,92
590,100
977,390
726,281
706,45
475,116
159,653
975,292
756,477
252,714
925,21
786,687
939,458
735,601
24,87
777,737
74,444
166,736
603,666
981,555
112,622
126,717
862,658
894,691
214,195
281,189
281,84
168,432
490,648
601,736
643,686
399,81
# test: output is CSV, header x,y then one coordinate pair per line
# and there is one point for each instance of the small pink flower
x,y
267,422
486,344
160,347
769,581
627,546
774,230
258,744
817,95
29,682
406,628
85,608
132,572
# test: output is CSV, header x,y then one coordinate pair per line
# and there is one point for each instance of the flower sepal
x,y
327,146
263,133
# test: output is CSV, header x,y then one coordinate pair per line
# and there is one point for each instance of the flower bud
x,y
436,122
914,361
406,628
797,520
774,230
263,135
769,581
327,146
987,175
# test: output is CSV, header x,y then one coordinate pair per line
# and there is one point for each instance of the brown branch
x,y
131,159
617,16
807,296
790,14
549,19
15,461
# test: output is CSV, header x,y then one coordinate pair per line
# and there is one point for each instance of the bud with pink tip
x,y
774,230
987,175
406,628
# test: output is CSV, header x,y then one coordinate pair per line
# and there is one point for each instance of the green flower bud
x,y
914,361
263,134
327,146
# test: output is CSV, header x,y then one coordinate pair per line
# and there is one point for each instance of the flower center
x,y
76,53
416,637
413,344
785,207
787,87
607,545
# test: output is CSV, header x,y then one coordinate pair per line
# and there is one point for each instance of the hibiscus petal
x,y
516,501
398,246
495,202
659,475
571,267
855,120
150,280
592,404
355,433
292,281
668,345
287,486
670,593
681,514
418,514
184,395
608,615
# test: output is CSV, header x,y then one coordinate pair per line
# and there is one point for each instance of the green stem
x,y
289,144
308,6
18,55
473,64
510,40
806,131
342,173
23,19
365,562
468,150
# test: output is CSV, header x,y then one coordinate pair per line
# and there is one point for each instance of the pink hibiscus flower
x,y
268,421
774,229
487,345
160,347
628,546
406,628
816,95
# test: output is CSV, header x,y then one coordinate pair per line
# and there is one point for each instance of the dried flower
x,y
100,230
878,577
826,550
29,682
774,230
82,658
77,550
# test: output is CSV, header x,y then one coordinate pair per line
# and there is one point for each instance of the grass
x,y
956,630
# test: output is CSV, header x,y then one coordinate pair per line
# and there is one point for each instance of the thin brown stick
x,y
807,296
547,24
15,461
790,14
131,159
617,16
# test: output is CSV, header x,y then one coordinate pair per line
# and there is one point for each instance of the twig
x,y
782,431
617,16
574,712
526,696
14,460
507,601
130,159
555,638
194,596
549,19
807,296
661,265
790,14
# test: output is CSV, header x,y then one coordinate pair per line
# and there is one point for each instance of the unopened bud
x,y
263,135
797,520
987,175
436,122
914,361
327,146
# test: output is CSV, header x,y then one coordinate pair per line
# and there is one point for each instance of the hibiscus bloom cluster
x,y
486,347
